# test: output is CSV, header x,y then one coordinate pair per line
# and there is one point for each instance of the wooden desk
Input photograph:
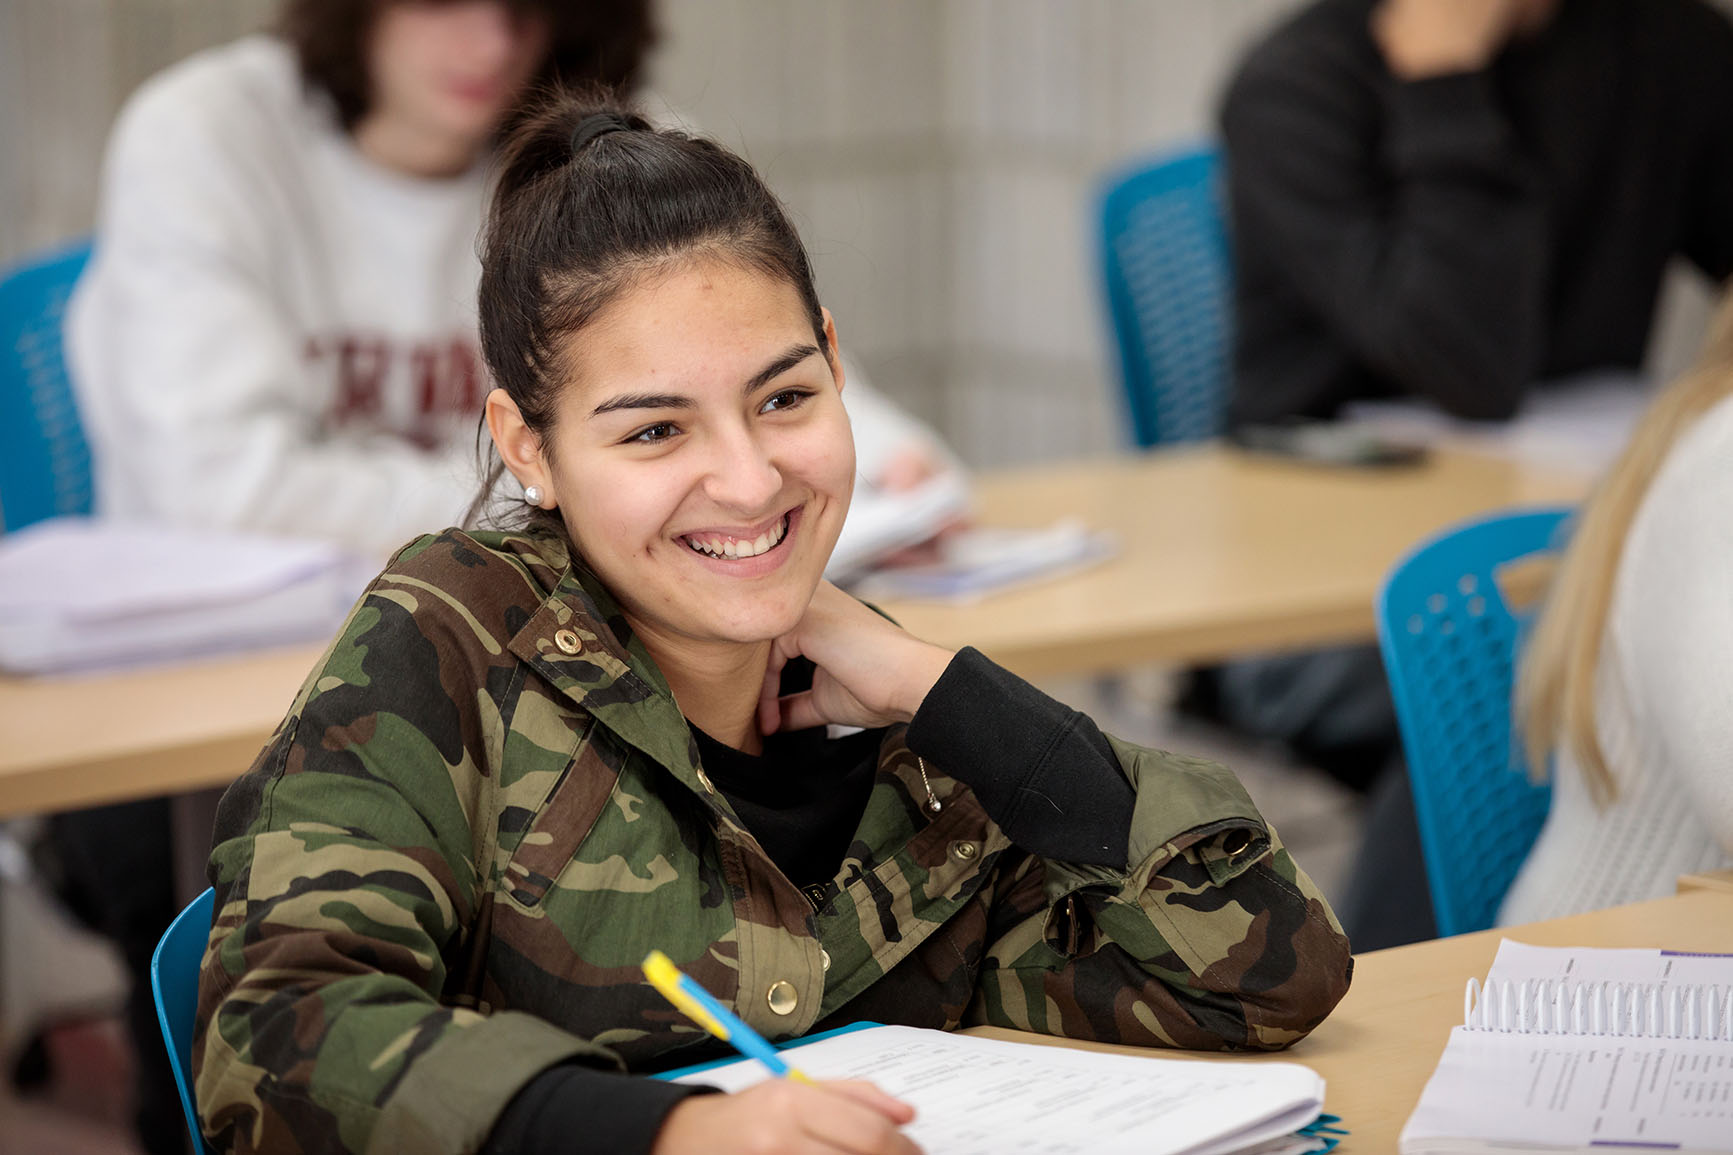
x,y
1221,554
1380,1046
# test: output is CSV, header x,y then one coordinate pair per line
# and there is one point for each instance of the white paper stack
x,y
977,561
81,594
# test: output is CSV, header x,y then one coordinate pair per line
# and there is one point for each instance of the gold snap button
x,y
1236,841
964,851
568,642
704,781
824,958
782,998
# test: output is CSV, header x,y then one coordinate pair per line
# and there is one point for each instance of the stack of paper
x,y
881,522
976,561
79,594
1585,1049
975,1096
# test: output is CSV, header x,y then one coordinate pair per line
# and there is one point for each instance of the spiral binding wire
x,y
1620,1010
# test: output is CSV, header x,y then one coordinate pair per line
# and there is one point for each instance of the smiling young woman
x,y
643,720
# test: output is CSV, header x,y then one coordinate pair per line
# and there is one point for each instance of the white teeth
x,y
728,547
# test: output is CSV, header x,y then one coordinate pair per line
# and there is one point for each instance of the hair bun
x,y
598,124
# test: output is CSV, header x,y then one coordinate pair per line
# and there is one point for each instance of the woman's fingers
x,y
785,1116
857,1118
869,1094
795,712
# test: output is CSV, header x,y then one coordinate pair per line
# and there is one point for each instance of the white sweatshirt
x,y
1664,703
277,334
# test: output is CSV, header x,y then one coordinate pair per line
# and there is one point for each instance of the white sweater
x,y
277,334
1664,703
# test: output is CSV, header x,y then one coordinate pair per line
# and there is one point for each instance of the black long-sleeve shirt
x,y
1461,237
1043,771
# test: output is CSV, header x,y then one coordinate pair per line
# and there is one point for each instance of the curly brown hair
x,y
592,42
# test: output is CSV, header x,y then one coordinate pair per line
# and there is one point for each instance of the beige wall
x,y
940,156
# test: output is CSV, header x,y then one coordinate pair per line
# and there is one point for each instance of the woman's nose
x,y
743,477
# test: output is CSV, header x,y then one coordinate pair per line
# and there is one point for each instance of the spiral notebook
x,y
976,1096
1585,1049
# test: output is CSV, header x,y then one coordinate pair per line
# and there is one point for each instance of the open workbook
x,y
978,1096
1586,1049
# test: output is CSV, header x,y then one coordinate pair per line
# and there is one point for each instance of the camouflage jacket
x,y
484,808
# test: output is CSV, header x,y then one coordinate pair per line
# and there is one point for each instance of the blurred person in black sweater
x,y
1457,202
1456,199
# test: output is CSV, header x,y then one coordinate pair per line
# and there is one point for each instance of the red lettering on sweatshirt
x,y
434,380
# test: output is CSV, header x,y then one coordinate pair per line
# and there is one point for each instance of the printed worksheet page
x,y
988,1097
1568,1092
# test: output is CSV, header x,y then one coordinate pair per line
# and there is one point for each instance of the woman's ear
x,y
520,447
834,353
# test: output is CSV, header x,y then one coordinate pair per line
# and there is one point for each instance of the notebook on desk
x,y
977,1096
1585,1049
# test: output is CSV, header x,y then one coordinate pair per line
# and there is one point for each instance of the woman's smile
x,y
733,548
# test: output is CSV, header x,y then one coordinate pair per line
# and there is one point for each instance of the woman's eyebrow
x,y
644,401
793,356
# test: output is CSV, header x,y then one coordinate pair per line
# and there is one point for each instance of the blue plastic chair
x,y
174,980
44,458
1169,283
1449,643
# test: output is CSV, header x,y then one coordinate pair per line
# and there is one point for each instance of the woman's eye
x,y
786,399
652,434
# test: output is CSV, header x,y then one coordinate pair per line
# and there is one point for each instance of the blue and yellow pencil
x,y
701,1007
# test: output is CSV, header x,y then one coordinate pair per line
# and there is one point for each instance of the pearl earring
x,y
533,494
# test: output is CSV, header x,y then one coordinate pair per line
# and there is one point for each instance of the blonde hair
x,y
1555,694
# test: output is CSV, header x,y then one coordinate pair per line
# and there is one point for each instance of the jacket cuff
x,y
573,1110
1191,804
452,1095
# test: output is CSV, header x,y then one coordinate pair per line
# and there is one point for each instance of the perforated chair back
x,y
174,981
44,458
1450,642
1164,262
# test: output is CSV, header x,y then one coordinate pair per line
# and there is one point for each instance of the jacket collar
x,y
573,641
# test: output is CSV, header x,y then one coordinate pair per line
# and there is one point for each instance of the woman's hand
x,y
782,1117
870,672
1421,38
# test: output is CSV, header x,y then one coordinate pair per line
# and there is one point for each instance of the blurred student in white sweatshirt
x,y
277,330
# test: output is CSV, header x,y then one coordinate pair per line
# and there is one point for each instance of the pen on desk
x,y
701,1007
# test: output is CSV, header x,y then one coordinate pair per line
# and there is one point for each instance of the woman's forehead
x,y
697,324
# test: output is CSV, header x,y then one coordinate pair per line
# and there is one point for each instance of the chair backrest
x,y
44,458
1169,284
1450,642
174,980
